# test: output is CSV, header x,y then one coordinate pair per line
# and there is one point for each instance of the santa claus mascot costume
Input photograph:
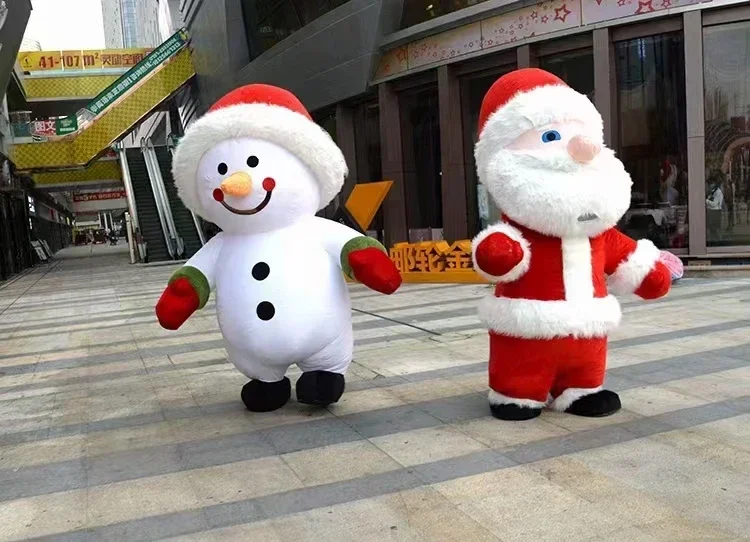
x,y
257,166
555,256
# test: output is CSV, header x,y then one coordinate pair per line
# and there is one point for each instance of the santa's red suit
x,y
555,255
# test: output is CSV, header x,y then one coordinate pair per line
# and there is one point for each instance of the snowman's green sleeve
x,y
200,270
340,241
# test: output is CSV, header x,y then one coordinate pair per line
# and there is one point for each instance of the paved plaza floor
x,y
112,428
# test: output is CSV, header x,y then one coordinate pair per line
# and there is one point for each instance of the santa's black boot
x,y
514,412
266,396
320,388
596,405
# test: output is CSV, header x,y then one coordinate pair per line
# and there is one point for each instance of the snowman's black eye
x,y
222,168
252,161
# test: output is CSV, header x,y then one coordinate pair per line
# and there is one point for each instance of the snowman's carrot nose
x,y
237,184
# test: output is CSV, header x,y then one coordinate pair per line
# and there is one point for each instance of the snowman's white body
x,y
311,322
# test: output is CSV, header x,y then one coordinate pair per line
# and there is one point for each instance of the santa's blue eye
x,y
551,135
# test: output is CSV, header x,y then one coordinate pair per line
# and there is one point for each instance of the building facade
x,y
112,18
399,85
131,23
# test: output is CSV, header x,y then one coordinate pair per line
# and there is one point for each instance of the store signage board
x,y
66,125
80,60
137,73
46,247
39,249
99,196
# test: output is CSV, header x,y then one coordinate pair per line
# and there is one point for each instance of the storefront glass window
x,y
576,68
653,137
420,125
419,11
726,83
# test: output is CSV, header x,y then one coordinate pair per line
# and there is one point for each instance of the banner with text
x,y
80,60
138,72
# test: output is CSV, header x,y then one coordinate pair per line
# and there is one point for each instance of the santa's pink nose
x,y
582,149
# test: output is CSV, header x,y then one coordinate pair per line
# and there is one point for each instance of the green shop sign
x,y
166,50
66,125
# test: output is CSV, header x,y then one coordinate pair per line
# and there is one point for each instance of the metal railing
x,y
174,242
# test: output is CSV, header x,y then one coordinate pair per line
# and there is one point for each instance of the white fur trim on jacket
x,y
500,399
506,229
534,109
535,319
569,396
629,275
293,131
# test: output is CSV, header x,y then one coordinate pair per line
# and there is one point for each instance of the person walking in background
x,y
714,205
668,177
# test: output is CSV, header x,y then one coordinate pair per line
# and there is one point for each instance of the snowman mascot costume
x,y
257,166
555,255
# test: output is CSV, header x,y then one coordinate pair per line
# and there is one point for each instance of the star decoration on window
x,y
545,19
622,2
666,4
534,15
562,12
645,6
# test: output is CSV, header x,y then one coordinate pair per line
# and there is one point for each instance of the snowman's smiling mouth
x,y
268,186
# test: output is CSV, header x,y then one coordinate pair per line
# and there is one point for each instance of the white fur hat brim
x,y
293,131
535,109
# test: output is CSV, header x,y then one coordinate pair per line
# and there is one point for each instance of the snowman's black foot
x,y
597,405
320,388
266,396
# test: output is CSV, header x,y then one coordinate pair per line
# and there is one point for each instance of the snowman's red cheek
x,y
268,184
218,195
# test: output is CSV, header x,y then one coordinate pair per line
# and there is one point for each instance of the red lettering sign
x,y
99,196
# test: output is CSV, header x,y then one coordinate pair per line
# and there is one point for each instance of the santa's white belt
x,y
535,319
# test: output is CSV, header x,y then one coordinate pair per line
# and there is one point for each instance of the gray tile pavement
x,y
139,434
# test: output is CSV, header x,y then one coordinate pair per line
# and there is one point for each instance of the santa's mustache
x,y
561,162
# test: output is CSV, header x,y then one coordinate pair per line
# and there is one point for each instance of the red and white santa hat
x,y
529,98
263,112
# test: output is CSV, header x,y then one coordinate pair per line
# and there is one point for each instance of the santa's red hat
x,y
264,112
530,98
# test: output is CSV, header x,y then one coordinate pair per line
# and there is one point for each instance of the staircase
x,y
148,216
183,218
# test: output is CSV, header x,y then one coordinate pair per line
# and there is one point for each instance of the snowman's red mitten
x,y
188,291
656,284
498,254
366,260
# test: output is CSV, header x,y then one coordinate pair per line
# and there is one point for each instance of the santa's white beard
x,y
550,193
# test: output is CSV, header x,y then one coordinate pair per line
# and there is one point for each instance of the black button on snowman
x,y
265,309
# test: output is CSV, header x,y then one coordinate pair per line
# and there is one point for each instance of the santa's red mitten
x,y
497,254
366,260
656,284
188,291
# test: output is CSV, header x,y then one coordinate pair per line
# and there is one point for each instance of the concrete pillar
x,y
391,156
696,158
605,84
345,139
